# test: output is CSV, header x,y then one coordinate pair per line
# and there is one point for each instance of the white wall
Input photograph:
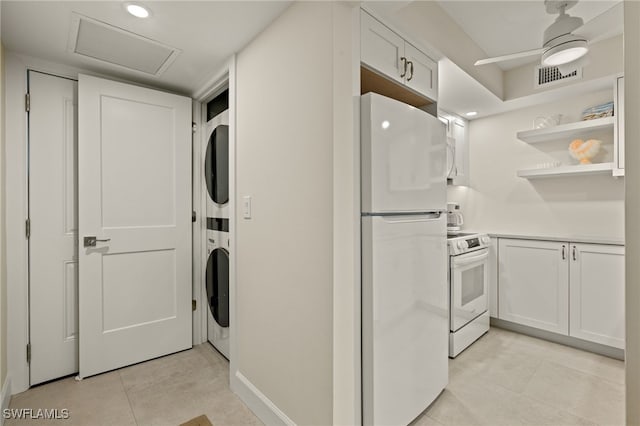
x,y
346,215
632,171
500,202
287,98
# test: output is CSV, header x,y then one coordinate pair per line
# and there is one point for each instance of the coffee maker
x,y
454,218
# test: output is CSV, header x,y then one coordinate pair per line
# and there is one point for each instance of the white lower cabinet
x,y
563,287
597,294
533,279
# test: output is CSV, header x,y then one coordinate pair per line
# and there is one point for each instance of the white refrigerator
x,y
404,260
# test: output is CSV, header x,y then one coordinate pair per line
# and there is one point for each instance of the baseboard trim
x,y
5,398
574,342
257,402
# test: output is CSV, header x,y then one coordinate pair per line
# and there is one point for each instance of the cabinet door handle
x,y
404,66
564,257
574,253
411,68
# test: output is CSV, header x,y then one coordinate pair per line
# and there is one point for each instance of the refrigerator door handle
x,y
426,217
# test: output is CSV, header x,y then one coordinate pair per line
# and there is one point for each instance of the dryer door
x,y
216,166
217,277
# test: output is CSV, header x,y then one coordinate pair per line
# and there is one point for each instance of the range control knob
x,y
485,240
461,245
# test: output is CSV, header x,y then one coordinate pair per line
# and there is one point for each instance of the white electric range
x,y
468,289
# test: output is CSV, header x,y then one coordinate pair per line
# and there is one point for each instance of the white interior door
x,y
53,296
135,195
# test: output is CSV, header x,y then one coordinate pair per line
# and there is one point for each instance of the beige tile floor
x,y
511,379
503,379
165,391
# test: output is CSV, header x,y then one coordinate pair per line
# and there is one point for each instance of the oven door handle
x,y
466,260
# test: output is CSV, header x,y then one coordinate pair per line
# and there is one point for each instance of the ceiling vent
x,y
106,43
546,76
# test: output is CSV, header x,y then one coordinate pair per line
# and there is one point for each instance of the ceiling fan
x,y
564,41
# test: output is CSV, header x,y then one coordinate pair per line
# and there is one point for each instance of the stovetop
x,y
460,234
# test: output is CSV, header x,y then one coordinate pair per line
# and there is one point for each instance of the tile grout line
x,y
133,413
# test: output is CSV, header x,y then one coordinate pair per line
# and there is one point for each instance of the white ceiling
x,y
209,32
206,32
504,27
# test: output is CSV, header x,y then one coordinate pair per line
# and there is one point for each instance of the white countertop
x,y
572,239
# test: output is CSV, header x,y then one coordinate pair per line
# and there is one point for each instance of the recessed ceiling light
x,y
137,10
385,124
471,113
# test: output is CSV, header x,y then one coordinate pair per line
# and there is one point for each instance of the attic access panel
x,y
106,43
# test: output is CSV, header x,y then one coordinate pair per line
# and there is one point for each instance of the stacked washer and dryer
x,y
216,176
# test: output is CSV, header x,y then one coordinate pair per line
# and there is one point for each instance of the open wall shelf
x,y
566,131
577,170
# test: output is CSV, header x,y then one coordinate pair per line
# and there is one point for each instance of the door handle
x,y
411,68
574,253
91,241
563,255
404,66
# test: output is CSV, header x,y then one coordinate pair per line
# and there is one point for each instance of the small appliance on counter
x,y
454,218
468,289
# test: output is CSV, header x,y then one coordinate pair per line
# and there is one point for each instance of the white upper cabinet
x,y
457,148
389,54
422,72
597,293
381,48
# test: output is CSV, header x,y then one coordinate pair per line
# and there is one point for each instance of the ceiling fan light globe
x,y
564,53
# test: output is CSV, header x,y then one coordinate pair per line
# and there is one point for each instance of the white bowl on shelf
x,y
544,121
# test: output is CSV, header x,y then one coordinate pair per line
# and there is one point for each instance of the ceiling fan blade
x,y
510,57
608,24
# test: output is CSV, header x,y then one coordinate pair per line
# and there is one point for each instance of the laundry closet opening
x,y
216,193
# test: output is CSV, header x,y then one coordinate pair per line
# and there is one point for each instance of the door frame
x,y
225,78
16,196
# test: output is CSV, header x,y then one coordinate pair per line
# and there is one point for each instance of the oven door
x,y
469,286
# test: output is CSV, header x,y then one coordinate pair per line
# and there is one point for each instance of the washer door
x,y
217,277
216,166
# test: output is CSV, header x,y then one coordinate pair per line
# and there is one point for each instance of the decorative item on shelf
x,y
584,151
544,121
598,111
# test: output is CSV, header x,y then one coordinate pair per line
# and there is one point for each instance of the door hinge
x,y
27,228
28,353
194,127
27,102
193,216
193,305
